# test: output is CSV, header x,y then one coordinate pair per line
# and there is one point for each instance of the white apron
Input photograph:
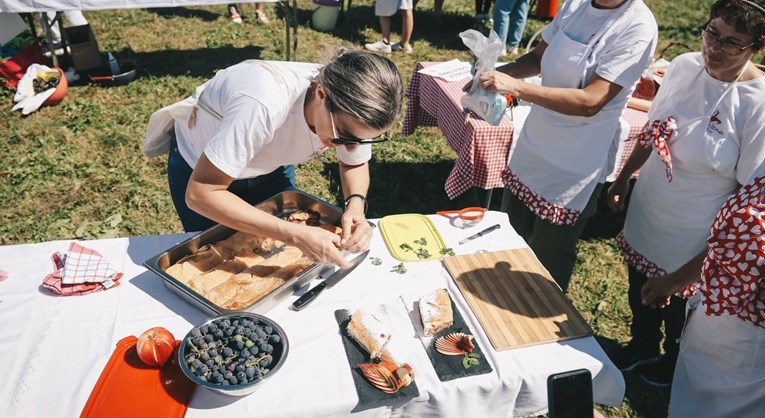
x,y
692,142
559,158
721,368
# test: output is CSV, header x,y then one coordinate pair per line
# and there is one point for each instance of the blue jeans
x,y
510,20
252,190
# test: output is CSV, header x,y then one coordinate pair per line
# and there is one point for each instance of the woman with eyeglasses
x,y
590,59
253,121
705,138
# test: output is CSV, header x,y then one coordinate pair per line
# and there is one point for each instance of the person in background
x,y
721,367
705,137
73,17
236,17
384,9
510,22
590,58
256,119
482,8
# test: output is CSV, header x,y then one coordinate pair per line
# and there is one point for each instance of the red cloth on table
x,y
80,272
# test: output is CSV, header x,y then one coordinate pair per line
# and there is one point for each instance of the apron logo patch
x,y
714,123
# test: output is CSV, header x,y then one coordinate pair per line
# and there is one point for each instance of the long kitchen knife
x,y
332,280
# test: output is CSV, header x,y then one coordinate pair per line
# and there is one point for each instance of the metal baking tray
x,y
280,205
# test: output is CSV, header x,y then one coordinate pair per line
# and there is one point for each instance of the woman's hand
x,y
656,291
617,194
356,230
320,245
497,82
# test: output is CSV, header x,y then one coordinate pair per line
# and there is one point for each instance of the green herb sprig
x,y
470,359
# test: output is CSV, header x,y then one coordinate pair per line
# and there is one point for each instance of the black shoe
x,y
659,373
634,355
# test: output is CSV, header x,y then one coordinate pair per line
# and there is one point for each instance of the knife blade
x,y
332,280
480,234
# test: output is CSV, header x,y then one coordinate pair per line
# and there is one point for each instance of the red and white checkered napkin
x,y
79,272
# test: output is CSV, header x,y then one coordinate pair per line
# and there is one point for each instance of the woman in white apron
x,y
590,59
707,126
721,368
234,143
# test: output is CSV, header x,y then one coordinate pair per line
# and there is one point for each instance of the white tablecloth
x,y
54,348
28,6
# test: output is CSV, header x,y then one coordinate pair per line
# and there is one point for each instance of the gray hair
x,y
364,85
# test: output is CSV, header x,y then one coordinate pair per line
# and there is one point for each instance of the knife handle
x,y
308,297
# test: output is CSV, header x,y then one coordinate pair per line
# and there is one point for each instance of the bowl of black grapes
x,y
233,354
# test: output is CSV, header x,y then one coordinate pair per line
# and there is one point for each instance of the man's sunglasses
x,y
337,140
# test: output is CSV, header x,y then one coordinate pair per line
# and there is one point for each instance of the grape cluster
x,y
39,85
232,351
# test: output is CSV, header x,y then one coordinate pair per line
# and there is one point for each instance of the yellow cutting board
x,y
411,237
515,300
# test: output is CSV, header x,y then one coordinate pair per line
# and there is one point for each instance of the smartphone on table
x,y
569,394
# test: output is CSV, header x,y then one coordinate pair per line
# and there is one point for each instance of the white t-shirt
x,y
622,53
668,223
263,126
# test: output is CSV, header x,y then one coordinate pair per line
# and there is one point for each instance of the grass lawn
x,y
76,171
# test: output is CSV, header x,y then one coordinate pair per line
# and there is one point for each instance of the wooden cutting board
x,y
514,298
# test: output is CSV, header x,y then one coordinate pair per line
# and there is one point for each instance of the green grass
x,y
76,170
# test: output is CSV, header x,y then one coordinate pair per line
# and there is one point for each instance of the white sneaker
x,y
234,15
397,47
514,51
379,46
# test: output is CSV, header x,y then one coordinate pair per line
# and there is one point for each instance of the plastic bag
x,y
25,98
490,106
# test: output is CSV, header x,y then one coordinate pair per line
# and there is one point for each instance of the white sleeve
x,y
246,126
666,89
631,54
752,154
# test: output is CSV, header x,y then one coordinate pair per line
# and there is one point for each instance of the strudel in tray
x,y
243,268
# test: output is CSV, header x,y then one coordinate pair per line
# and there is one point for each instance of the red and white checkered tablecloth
x,y
482,149
637,119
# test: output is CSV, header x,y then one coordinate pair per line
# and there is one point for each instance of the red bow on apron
x,y
658,134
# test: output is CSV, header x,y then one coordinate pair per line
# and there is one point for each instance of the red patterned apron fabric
x,y
555,214
649,268
733,275
658,134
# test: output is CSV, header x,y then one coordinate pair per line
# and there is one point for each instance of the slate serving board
x,y
368,394
448,367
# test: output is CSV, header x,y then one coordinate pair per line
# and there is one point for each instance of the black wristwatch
x,y
360,196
